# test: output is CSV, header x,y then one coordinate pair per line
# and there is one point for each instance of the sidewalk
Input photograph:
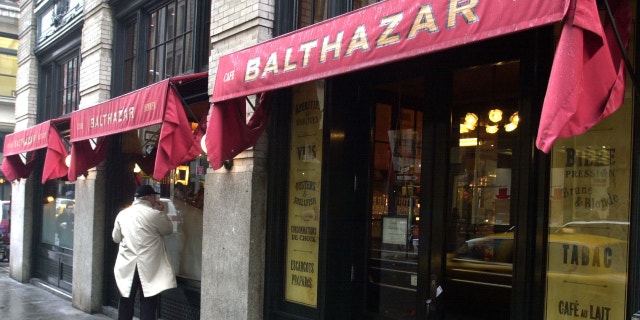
x,y
20,301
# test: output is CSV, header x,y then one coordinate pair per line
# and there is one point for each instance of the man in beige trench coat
x,y
142,261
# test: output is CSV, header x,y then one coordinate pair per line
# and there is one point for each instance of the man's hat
x,y
144,190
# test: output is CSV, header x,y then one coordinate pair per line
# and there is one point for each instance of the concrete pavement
x,y
19,301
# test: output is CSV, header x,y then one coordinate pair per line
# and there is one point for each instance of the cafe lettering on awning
x,y
377,34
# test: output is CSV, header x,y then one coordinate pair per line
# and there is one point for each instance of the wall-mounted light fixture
x,y
203,144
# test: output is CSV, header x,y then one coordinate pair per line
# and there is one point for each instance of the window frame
x,y
140,13
50,75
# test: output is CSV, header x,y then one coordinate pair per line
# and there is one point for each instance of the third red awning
x,y
23,144
159,103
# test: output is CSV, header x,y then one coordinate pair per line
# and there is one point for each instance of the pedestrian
x,y
142,262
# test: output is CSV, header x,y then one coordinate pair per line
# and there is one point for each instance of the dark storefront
x,y
408,186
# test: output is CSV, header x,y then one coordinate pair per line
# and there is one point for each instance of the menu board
x,y
305,171
589,215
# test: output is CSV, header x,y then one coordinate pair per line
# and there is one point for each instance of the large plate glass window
x,y
589,212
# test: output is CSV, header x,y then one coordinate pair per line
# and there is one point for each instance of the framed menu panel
x,y
305,171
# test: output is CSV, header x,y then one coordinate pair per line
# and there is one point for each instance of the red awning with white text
x,y
21,144
381,33
160,103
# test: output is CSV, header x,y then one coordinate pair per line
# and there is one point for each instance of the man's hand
x,y
159,205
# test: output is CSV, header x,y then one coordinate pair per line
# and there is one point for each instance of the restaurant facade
x,y
334,159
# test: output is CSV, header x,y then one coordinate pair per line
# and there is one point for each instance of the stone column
x,y
89,235
21,251
233,260
88,242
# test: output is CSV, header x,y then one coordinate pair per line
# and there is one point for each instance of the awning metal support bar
x,y
184,103
250,104
622,49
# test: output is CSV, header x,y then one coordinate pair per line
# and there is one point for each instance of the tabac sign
x,y
384,32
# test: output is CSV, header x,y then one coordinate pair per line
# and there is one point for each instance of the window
x,y
55,15
69,73
8,65
162,42
59,94
357,4
311,11
130,55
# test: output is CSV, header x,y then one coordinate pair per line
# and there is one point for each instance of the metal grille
x,y
180,304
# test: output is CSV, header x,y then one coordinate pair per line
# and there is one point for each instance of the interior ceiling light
x,y
492,128
470,121
515,118
495,115
468,142
510,127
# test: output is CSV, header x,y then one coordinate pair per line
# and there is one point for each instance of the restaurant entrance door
x,y
441,223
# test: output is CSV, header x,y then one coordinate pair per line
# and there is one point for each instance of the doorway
x,y
441,223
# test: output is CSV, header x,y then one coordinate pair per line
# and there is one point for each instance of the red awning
x,y
587,81
229,133
43,135
381,33
161,102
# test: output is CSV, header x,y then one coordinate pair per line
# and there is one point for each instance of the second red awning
x,y
158,103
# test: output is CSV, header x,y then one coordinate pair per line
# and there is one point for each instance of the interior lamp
x,y
67,161
513,122
515,118
136,168
510,127
495,115
492,128
470,121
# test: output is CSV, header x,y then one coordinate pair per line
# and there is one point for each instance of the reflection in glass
x,y
58,216
395,206
480,233
183,200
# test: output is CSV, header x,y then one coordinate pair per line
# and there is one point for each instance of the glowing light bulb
x,y
495,115
492,128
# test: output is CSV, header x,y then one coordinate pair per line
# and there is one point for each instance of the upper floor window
x,y
163,41
54,15
58,85
68,88
8,65
357,4
170,40
311,11
301,13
